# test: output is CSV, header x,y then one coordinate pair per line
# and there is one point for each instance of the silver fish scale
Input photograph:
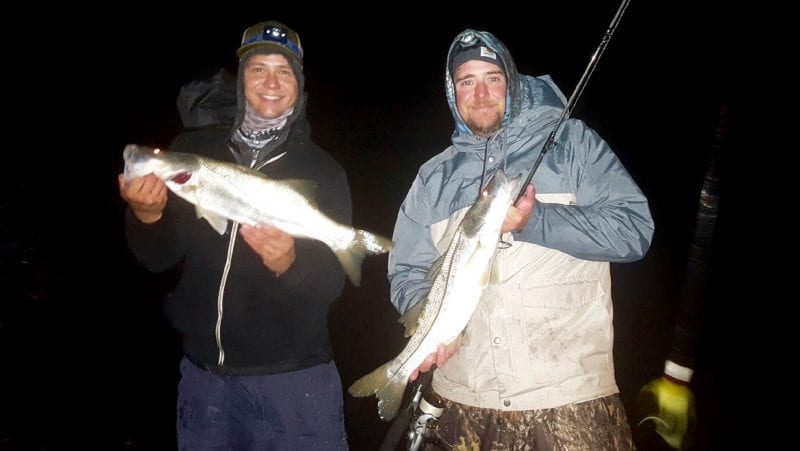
x,y
438,324
252,199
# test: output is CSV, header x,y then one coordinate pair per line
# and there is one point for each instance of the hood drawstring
x,y
483,170
504,146
498,139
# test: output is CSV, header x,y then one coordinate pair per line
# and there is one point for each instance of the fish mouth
x,y
129,151
135,157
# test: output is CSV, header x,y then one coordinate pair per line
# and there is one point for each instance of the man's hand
x,y
275,247
520,213
439,357
147,196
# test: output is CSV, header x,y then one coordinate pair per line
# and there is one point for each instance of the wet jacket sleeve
x,y
157,246
611,220
413,252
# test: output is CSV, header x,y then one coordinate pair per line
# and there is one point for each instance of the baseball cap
x,y
272,34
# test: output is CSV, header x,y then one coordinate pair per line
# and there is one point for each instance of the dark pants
x,y
300,410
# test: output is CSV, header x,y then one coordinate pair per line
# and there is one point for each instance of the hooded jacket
x,y
542,336
233,314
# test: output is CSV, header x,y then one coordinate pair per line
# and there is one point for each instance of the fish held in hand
x,y
223,192
458,280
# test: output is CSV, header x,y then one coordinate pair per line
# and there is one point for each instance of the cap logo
x,y
488,53
479,53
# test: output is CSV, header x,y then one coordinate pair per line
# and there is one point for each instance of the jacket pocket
x,y
567,338
563,294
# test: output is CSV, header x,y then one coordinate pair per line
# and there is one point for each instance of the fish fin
x,y
388,391
494,272
389,399
351,263
219,223
410,319
486,276
436,266
364,243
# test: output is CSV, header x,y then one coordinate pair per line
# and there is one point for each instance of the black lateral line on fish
x,y
438,311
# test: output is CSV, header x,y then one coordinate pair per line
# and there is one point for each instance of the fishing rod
x,y
411,424
576,93
666,405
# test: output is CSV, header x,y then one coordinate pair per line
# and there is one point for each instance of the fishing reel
x,y
429,409
417,420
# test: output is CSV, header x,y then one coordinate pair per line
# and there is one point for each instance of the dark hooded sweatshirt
x,y
233,314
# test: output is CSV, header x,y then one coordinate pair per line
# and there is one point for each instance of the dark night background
x,y
88,359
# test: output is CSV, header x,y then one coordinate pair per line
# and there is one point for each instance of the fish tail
x,y
388,390
373,244
370,383
364,243
351,263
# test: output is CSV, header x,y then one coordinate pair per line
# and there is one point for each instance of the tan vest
x,y
540,338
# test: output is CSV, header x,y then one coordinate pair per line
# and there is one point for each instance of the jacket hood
x,y
208,100
522,92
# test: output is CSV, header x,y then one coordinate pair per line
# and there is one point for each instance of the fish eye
x,y
182,178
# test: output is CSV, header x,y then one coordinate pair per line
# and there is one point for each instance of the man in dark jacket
x,y
252,304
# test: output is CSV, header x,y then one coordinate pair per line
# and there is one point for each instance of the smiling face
x,y
481,96
270,85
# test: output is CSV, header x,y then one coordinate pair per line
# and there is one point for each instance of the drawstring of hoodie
x,y
483,169
498,139
504,147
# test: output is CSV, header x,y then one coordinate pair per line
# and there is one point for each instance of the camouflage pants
x,y
599,424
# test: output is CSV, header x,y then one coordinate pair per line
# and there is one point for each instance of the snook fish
x,y
225,191
458,279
